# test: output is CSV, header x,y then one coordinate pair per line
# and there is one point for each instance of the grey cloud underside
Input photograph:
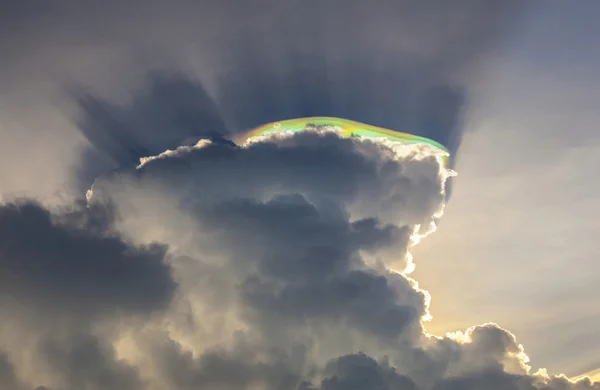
x,y
73,356
85,361
278,210
310,268
62,273
323,168
71,261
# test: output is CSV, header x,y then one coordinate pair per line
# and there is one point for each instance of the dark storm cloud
x,y
309,266
390,64
320,167
222,369
172,110
63,272
315,167
396,64
291,265
289,225
240,369
295,239
277,209
71,262
361,372
86,362
280,218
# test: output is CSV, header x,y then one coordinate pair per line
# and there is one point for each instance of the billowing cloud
x,y
298,267
289,256
281,264
288,280
397,65
84,96
63,274
70,262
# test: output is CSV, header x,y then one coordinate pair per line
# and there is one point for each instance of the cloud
x,y
165,74
63,273
84,361
71,261
137,130
288,274
283,264
287,248
287,257
222,369
8,378
237,67
360,371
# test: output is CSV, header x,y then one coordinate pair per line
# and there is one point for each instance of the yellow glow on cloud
x,y
594,375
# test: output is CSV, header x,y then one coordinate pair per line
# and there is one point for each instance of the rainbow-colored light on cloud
x,y
345,128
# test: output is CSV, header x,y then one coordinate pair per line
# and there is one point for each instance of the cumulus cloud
x,y
397,65
88,97
287,280
70,262
280,264
63,273
286,268
300,265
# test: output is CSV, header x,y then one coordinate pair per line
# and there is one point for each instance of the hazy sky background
x,y
86,89
518,241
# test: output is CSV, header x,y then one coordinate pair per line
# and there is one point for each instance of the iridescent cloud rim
x,y
346,128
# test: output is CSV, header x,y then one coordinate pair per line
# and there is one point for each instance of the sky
x,y
526,173
286,263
